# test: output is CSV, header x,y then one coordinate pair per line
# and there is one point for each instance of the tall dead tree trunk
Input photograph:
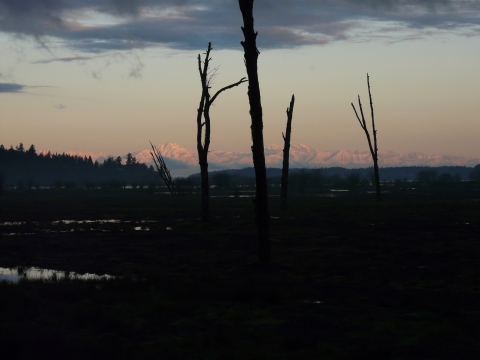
x,y
203,149
204,109
286,155
261,197
374,148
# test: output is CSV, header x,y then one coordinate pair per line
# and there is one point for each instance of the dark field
x,y
350,278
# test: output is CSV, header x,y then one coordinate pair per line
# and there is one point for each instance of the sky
x,y
112,75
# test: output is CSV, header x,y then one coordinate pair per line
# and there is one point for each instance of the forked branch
x,y
363,124
374,147
206,101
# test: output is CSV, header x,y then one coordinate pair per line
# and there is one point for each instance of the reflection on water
x,y
141,228
69,222
12,223
232,196
16,274
14,228
13,234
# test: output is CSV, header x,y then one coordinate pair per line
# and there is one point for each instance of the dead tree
x,y
206,102
162,169
374,148
286,155
256,114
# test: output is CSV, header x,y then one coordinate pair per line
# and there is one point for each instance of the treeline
x,y
24,168
312,180
386,173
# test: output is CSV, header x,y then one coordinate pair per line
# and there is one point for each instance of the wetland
x,y
350,278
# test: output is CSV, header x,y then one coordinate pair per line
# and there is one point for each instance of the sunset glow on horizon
x,y
105,76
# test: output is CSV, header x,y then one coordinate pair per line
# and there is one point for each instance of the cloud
x,y
97,26
11,88
17,88
64,59
136,68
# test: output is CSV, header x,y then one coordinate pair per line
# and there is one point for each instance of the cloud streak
x,y
98,26
64,59
11,88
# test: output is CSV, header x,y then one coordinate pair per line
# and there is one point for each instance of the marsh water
x,y
33,273
64,226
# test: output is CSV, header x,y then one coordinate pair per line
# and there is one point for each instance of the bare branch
x,y
207,77
199,65
364,126
354,109
241,81
204,72
162,169
373,117
374,147
211,75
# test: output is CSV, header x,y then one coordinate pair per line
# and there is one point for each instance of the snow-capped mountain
x,y
182,161
171,151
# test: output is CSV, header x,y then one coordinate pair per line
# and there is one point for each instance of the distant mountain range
x,y
182,161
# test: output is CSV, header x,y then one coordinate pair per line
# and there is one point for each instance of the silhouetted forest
x,y
24,168
387,173
338,176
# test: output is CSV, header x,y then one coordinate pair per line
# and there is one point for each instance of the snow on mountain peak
x,y
301,155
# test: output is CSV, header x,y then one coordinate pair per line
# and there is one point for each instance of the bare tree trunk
x,y
261,198
203,149
375,159
204,109
205,185
286,155
374,148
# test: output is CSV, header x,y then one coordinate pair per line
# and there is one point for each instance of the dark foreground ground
x,y
350,279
